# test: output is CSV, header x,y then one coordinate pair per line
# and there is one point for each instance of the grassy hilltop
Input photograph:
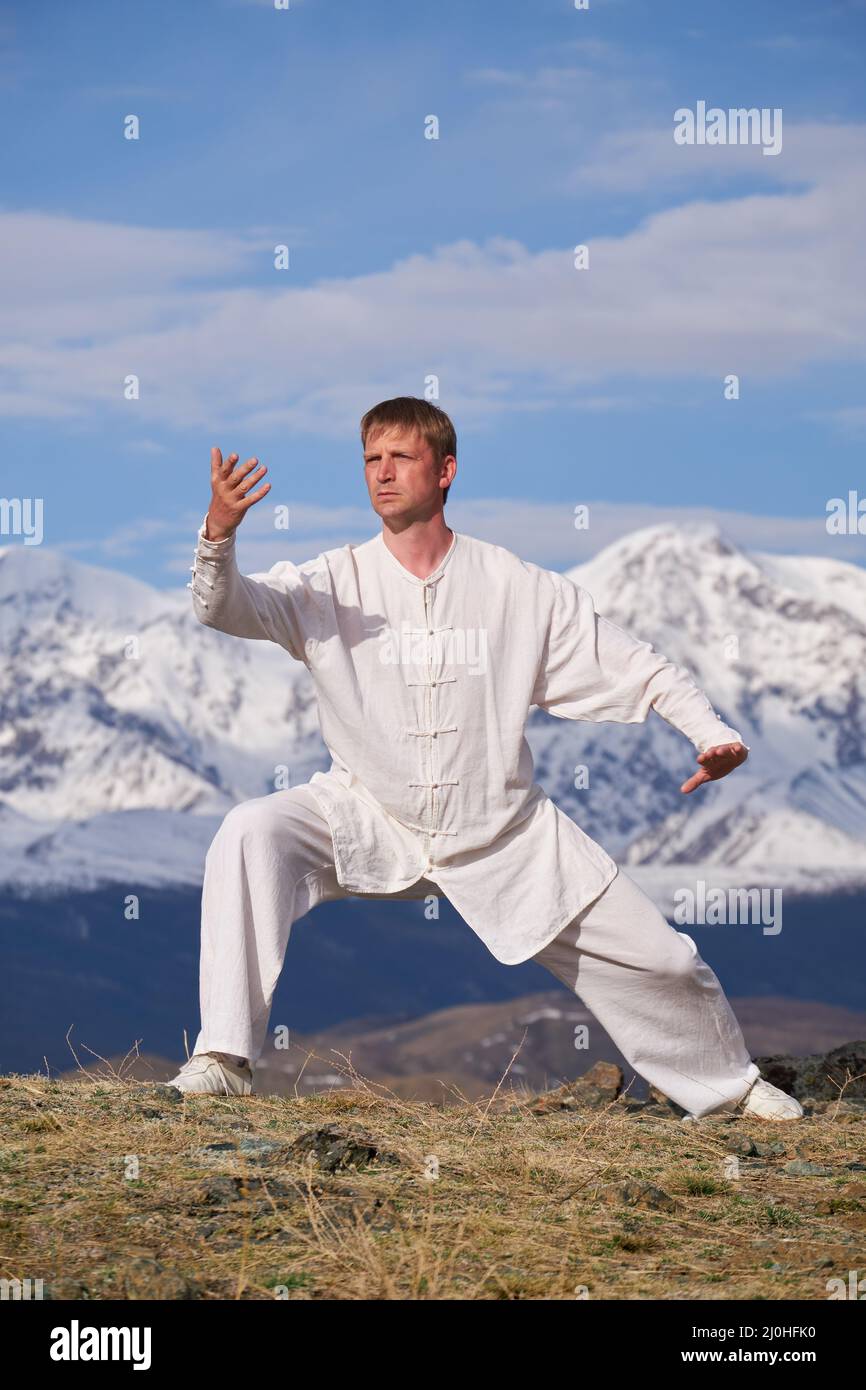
x,y
116,1189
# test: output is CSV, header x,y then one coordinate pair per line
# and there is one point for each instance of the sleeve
x,y
284,604
591,669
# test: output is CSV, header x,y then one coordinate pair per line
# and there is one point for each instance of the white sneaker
x,y
762,1099
212,1074
770,1103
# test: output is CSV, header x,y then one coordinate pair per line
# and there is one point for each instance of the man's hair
x,y
411,412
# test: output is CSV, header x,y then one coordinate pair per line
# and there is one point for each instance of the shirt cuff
x,y
721,735
209,547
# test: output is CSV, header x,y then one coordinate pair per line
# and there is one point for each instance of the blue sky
x,y
411,257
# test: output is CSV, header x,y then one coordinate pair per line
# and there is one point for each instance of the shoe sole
x,y
226,1095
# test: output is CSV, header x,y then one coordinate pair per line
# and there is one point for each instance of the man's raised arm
x,y
283,604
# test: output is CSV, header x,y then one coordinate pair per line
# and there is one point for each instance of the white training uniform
x,y
424,687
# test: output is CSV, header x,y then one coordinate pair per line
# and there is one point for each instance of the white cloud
x,y
642,158
765,286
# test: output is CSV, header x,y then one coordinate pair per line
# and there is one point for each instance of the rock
x,y
638,1194
210,1153
853,1107
657,1097
645,1109
771,1149
217,1192
167,1098
332,1149
250,1147
165,1094
812,1107
739,1143
596,1088
840,1112
803,1168
820,1076
260,1148
231,1187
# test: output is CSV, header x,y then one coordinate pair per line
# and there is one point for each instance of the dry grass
x,y
525,1206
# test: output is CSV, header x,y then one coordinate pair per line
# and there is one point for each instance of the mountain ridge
x,y
128,729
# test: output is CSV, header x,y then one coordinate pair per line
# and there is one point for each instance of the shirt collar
x,y
407,574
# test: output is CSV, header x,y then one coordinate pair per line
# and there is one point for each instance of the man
x,y
428,649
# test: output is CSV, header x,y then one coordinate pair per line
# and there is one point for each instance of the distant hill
x,y
77,962
464,1052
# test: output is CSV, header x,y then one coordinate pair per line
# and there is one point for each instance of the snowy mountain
x,y
779,645
127,729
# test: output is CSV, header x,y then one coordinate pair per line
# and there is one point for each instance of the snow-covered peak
x,y
115,700
38,583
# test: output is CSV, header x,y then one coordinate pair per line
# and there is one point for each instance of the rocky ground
x,y
113,1188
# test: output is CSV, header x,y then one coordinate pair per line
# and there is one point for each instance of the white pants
x,y
272,860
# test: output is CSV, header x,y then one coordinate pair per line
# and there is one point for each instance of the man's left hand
x,y
715,763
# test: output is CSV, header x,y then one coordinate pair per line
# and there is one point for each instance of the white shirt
x,y
424,687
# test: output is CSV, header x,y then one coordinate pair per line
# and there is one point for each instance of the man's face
x,y
403,479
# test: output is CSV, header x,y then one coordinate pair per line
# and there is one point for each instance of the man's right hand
x,y
230,501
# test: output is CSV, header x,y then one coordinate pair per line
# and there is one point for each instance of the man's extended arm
x,y
594,670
